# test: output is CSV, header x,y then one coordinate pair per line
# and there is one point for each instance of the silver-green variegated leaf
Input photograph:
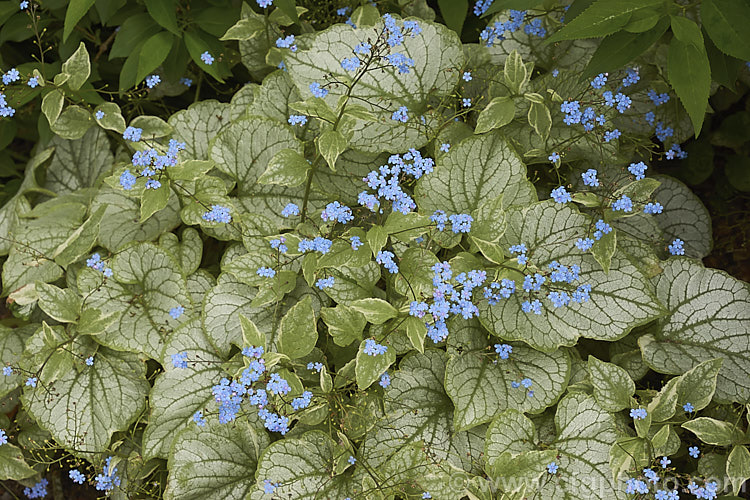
x,y
476,170
417,409
79,163
272,98
146,285
82,409
221,313
197,125
180,392
620,300
479,384
242,100
613,387
585,434
302,468
709,318
435,51
12,345
510,432
121,224
35,240
215,461
684,217
188,252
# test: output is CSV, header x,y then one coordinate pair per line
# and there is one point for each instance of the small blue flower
x,y
356,242
188,82
152,81
503,350
467,76
7,371
24,4
11,76
664,462
401,114
638,413
90,361
324,283
385,380
179,360
198,419
297,119
127,180
385,258
3,437
555,72
599,81
76,476
31,382
286,43
218,213
132,134
526,382
372,348
461,223
351,460
638,170
426,495
584,244
560,195
289,210
266,272
176,312
554,157
99,114
610,135
445,147
552,468
351,63
677,247
653,208
589,178
466,102
688,407
317,90
207,58
693,451
33,82
624,203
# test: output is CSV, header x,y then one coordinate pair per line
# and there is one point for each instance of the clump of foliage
x,y
392,265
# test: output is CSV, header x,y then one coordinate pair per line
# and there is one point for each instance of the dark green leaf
x,y
153,53
618,49
454,13
132,33
726,22
724,68
602,18
288,7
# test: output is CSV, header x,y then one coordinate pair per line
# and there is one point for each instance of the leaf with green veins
x,y
489,220
81,241
154,200
83,409
620,300
120,226
354,283
715,432
28,260
725,22
112,119
344,324
94,322
77,67
382,93
61,304
613,387
684,217
639,192
147,284
475,170
515,73
376,311
406,227
377,237
738,467
604,248
369,368
628,453
189,252
12,345
153,126
585,433
215,460
78,163
521,471
709,313
664,404
251,336
287,168
480,389
510,432
300,466
417,410
315,107
197,125
13,464
498,113
180,392
298,333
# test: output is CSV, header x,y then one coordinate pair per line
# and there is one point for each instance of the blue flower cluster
x,y
317,244
448,299
108,479
151,161
324,283
386,180
638,413
677,247
526,383
5,109
11,76
96,263
289,210
303,401
297,119
496,32
218,213
337,212
503,350
372,348
286,43
39,490
385,380
76,476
